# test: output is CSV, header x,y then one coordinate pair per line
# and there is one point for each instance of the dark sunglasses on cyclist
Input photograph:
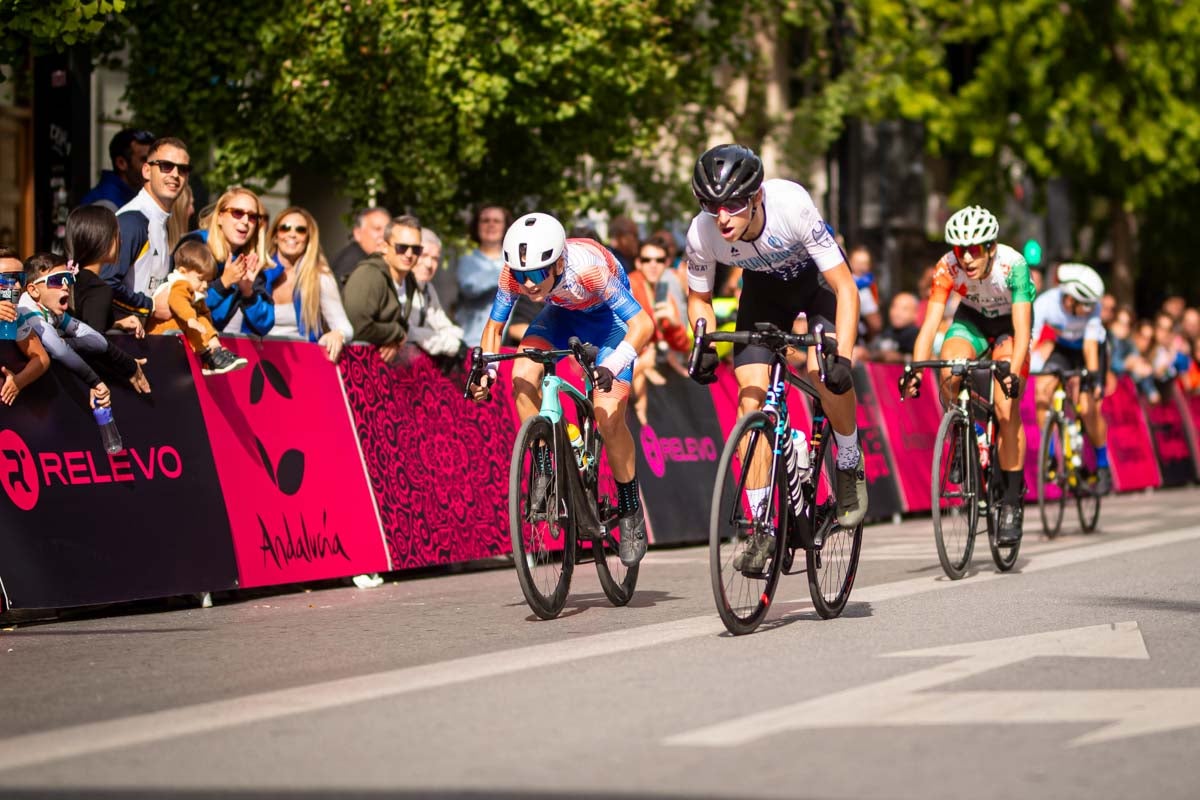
x,y
56,280
977,251
534,275
241,213
287,227
401,249
713,208
168,167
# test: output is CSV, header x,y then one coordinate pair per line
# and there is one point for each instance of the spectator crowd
x,y
141,261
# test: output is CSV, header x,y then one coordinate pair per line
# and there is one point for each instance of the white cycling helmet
x,y
972,225
534,241
1081,282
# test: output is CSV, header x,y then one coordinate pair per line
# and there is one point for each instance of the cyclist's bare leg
x,y
953,349
1044,387
1010,433
752,378
610,419
527,391
1097,428
840,409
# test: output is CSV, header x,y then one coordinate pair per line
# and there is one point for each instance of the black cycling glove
x,y
1010,383
602,379
839,378
910,380
706,370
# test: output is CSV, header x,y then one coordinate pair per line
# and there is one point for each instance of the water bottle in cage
x,y
982,437
796,450
1076,443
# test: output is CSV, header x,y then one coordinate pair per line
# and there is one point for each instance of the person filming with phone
x,y
658,290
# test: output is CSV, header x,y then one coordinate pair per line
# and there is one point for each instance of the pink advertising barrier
x,y
1189,406
910,429
1130,451
294,486
1033,440
1168,432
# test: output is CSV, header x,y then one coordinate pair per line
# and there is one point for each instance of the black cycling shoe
x,y
1103,483
851,492
1011,519
753,559
633,537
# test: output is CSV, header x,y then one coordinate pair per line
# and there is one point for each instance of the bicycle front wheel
x,y
1087,502
1052,475
617,580
742,590
955,493
832,569
542,539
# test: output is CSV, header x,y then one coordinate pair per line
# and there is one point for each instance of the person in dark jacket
x,y
93,238
128,151
379,294
367,240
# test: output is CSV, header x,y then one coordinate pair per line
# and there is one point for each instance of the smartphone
x,y
662,291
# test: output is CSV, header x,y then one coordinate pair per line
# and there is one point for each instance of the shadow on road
x,y
131,793
578,603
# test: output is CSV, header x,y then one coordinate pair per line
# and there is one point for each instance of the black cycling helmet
x,y
726,172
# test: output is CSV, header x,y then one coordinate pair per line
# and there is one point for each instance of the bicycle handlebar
x,y
584,353
765,335
958,368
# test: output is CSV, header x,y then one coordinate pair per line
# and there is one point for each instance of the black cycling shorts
x,y
766,298
1064,358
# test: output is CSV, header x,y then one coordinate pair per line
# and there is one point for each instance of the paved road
x,y
1073,677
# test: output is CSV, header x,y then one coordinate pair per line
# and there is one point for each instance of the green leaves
x,y
51,25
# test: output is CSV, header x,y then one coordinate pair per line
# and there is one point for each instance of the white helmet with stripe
x,y
972,225
1081,282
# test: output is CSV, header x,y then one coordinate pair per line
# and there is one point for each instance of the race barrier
x,y
295,469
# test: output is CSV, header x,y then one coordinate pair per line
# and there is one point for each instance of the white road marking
x,y
157,726
903,700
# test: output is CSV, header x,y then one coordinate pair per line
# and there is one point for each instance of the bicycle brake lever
x,y
819,332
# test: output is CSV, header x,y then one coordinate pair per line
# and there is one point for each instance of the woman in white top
x,y
307,302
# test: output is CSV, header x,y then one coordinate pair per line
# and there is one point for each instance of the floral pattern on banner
x,y
438,463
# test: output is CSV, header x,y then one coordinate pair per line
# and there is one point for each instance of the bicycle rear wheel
x,y
542,538
1087,502
1052,473
743,598
832,569
955,493
617,580
1004,556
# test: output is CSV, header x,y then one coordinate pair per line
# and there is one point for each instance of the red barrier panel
x,y
293,483
1033,441
910,429
1131,455
1170,439
1189,406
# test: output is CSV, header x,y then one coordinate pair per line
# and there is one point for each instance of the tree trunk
x,y
1121,232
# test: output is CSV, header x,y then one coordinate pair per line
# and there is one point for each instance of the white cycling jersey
x,y
1072,329
794,239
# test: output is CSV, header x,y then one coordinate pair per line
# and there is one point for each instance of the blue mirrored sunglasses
x,y
534,275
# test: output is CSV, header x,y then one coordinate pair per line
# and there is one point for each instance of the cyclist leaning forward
x,y
586,294
994,314
790,264
1071,310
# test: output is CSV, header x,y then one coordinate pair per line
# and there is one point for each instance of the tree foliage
x,y
45,25
432,105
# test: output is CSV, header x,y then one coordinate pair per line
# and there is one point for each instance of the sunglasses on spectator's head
x,y
240,213
168,167
56,280
534,275
287,226
976,250
402,249
731,206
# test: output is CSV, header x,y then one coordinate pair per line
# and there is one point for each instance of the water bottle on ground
x,y
110,437
10,290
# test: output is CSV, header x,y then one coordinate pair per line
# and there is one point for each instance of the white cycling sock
x,y
756,497
847,455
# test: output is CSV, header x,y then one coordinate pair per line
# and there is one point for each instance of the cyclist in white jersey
x,y
1070,315
790,264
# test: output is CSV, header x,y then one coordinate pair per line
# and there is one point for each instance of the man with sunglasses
x,y
1066,321
379,294
586,294
144,260
994,315
790,265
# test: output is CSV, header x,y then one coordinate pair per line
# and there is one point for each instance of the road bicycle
x,y
794,479
1066,459
575,519
965,478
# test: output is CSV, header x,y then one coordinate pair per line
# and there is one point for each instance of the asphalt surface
x,y
1074,676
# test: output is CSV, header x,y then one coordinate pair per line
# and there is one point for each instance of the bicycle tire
x,y
832,569
1051,510
1087,502
543,569
743,601
955,506
1005,557
616,580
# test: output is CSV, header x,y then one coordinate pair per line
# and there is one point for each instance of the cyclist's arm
x,y
1022,315
923,349
1091,355
699,306
841,281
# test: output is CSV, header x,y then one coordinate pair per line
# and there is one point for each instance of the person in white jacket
x,y
429,326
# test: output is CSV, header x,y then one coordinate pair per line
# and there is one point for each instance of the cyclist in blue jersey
x,y
586,294
1070,313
